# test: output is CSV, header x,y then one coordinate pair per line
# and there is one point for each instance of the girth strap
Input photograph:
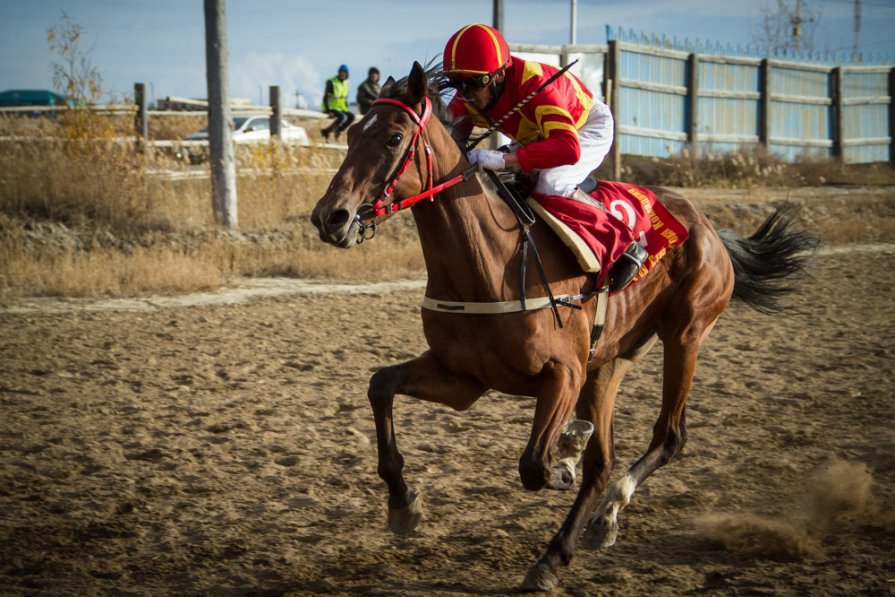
x,y
532,304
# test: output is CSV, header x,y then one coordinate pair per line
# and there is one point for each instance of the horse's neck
x,y
469,239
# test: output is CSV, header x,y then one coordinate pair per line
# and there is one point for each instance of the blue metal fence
x,y
669,95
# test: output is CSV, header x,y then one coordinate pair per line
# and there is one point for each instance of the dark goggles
x,y
468,85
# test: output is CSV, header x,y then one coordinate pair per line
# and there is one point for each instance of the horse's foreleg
x,y
555,402
425,378
595,404
572,442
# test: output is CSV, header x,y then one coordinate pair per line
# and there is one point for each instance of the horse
x,y
470,244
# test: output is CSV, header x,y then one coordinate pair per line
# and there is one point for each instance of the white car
x,y
246,130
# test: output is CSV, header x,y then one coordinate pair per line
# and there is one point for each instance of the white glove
x,y
487,158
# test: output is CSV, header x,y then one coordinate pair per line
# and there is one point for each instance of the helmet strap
x,y
495,92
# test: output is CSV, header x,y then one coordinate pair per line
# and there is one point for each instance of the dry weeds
x,y
748,169
82,214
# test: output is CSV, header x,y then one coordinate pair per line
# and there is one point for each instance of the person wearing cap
x,y
563,133
335,104
368,91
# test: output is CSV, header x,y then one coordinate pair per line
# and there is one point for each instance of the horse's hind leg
x,y
669,433
423,377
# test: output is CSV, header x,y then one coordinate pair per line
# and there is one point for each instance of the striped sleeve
x,y
558,145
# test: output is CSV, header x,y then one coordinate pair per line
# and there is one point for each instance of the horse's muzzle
x,y
336,226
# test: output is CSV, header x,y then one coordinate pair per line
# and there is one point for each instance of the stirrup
x,y
626,268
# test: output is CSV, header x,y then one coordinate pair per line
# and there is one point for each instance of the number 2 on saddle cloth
x,y
603,223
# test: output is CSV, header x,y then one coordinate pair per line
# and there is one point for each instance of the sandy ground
x,y
227,448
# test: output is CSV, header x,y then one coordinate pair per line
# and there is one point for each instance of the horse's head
x,y
388,159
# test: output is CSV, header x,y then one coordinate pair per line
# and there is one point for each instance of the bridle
x,y
368,212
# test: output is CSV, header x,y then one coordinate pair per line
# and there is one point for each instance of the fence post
x,y
141,123
613,100
836,87
892,115
764,104
276,113
693,102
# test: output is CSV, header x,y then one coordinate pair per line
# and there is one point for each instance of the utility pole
x,y
498,15
220,142
855,56
573,31
495,141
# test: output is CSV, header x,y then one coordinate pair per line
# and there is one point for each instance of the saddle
x,y
598,241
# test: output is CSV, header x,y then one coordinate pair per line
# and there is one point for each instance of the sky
x,y
298,44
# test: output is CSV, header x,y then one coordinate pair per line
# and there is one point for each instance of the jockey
x,y
563,133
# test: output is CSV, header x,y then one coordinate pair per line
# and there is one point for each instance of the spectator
x,y
368,91
335,104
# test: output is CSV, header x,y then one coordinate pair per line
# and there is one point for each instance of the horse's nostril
x,y
337,218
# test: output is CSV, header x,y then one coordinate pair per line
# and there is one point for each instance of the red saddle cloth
x,y
622,213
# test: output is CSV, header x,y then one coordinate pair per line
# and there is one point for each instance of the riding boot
x,y
626,267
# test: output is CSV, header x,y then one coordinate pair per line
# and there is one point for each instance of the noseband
x,y
368,212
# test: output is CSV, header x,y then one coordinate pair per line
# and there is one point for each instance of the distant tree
x,y
788,26
75,76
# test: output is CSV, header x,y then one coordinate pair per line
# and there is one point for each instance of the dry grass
x,y
90,217
747,169
80,216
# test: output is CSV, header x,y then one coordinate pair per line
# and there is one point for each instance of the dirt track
x,y
229,449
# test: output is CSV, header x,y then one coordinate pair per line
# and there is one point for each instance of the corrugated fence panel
x,y
727,105
652,113
865,106
801,112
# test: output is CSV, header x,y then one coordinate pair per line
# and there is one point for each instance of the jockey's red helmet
x,y
475,50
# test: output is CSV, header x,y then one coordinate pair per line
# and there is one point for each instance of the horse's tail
x,y
768,264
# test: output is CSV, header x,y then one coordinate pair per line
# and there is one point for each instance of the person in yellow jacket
x,y
335,104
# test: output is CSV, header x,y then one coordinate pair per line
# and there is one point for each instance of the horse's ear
x,y
417,84
387,86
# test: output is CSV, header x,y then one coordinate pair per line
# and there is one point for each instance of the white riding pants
x,y
595,138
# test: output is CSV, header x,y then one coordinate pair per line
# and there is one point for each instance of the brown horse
x,y
470,242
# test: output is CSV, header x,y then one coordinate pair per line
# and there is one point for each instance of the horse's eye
x,y
395,140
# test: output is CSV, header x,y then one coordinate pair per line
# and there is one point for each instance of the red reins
x,y
380,207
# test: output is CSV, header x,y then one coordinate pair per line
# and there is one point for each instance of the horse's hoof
x,y
402,521
573,439
562,476
600,534
539,580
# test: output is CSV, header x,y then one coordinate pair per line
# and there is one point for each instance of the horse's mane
x,y
438,91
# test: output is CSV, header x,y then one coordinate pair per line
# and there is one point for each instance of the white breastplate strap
x,y
531,304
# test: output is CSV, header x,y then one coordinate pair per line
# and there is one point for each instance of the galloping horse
x,y
470,242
